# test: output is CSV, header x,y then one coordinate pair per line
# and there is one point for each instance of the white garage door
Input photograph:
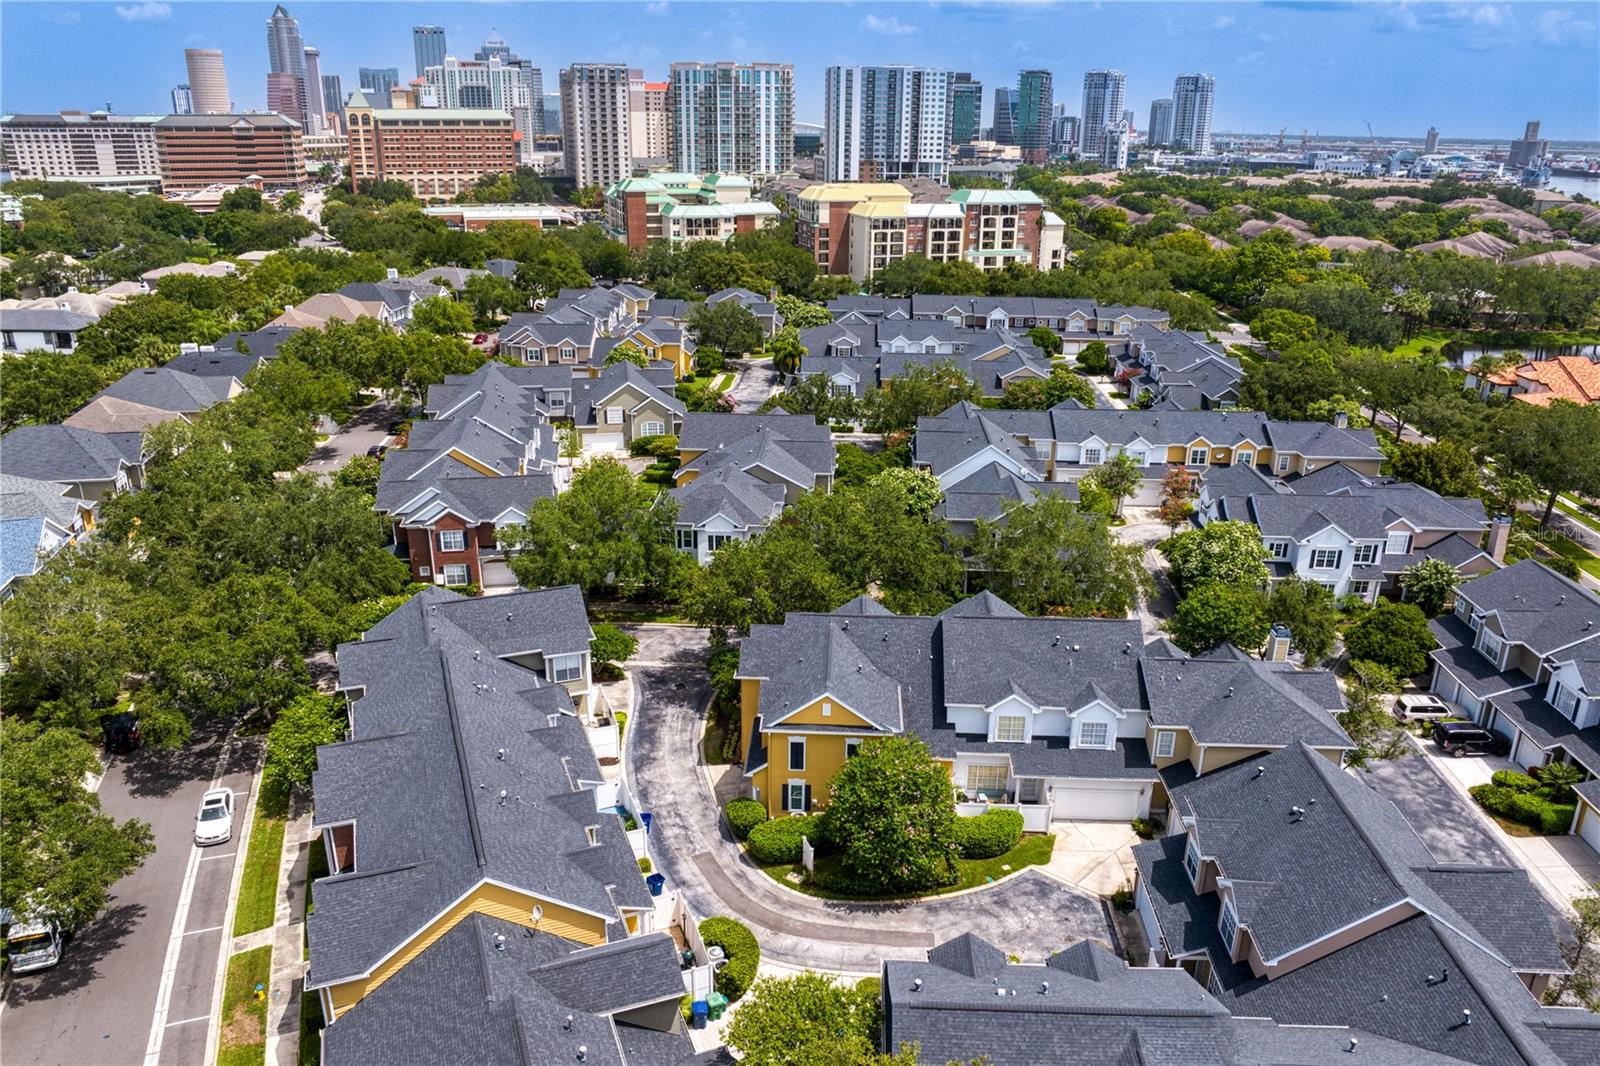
x,y
604,442
1528,754
497,574
1589,829
1149,494
1498,723
1095,803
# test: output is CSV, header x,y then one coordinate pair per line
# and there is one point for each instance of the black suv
x,y
1464,738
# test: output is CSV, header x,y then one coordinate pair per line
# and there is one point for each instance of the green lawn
x,y
244,1017
723,383
633,612
1427,338
316,869
258,889
1587,561
1580,513
1032,850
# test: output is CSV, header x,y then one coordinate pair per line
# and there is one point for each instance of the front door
x,y
1030,790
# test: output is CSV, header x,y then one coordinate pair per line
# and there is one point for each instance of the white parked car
x,y
1423,708
214,823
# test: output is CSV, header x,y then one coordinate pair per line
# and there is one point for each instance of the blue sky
x,y
1472,69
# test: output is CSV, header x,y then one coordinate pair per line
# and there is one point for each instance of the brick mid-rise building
x,y
439,152
195,151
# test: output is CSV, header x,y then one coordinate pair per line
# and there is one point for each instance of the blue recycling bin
x,y
656,882
698,1012
645,818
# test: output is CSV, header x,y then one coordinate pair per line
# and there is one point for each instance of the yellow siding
x,y
1181,747
813,715
493,900
1216,757
824,756
467,460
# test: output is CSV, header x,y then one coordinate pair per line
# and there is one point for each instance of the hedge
x,y
744,954
778,840
660,446
744,815
1514,780
986,835
1529,808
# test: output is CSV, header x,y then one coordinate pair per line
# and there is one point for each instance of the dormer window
x,y
1229,926
1094,735
1367,553
1399,543
1490,644
565,668
1191,863
1010,728
593,833
1199,456
1092,456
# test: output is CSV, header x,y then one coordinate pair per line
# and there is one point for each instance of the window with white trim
x,y
1199,456
1138,456
456,574
1361,590
652,429
1399,543
686,540
1229,925
1010,727
987,779
613,416
1367,553
1490,644
1283,464
717,540
1326,558
1277,549
794,796
797,753
568,353
1243,458
1094,735
1564,700
1191,862
1166,743
1475,621
452,540
566,667
1092,456
852,746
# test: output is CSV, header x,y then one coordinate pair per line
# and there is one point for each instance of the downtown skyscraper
x,y
1160,131
966,109
1005,115
286,55
208,81
1192,98
885,123
1035,99
735,118
427,44
595,134
1104,95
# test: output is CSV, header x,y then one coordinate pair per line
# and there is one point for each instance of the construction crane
x,y
1281,131
1373,137
1305,140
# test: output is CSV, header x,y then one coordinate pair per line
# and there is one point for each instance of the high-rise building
x,y
1160,131
333,96
195,151
552,113
182,100
1127,116
731,118
1035,99
286,54
440,152
1005,115
1114,146
1530,150
377,79
427,42
104,149
1430,143
886,123
966,109
529,109
286,96
1192,97
208,81
1063,131
1104,92
316,104
596,137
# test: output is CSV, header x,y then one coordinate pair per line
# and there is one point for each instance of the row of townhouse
x,y
1520,655
737,473
37,519
1056,718
1178,370
483,902
490,447
1068,441
1352,531
858,357
1077,322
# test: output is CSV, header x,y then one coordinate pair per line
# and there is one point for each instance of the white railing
x,y
1035,816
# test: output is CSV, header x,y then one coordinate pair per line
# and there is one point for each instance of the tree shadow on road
x,y
80,961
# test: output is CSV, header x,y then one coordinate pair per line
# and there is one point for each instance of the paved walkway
x,y
755,382
288,938
1031,914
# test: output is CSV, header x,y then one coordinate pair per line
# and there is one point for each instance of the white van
x,y
34,945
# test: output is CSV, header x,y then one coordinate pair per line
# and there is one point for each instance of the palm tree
x,y
1559,777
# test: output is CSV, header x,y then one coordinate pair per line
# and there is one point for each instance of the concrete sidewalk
x,y
288,938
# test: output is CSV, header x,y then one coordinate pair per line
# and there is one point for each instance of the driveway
x,y
135,985
755,382
1142,528
367,426
1030,914
1444,817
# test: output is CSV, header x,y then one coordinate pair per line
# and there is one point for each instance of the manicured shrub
x,y
1528,808
1495,799
778,840
1514,780
744,814
744,954
1145,828
989,834
659,446
1556,818
645,866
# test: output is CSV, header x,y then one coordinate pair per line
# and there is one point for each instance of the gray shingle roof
x,y
169,390
62,453
1536,606
43,319
726,490
1244,702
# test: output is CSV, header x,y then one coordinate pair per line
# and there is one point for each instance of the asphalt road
x,y
756,381
368,426
99,1006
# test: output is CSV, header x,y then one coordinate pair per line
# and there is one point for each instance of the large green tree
x,y
1045,556
1556,446
727,325
1394,636
920,391
891,815
1219,613
807,1020
1227,552
1309,610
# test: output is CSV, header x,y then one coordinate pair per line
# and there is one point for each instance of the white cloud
x,y
660,7
1222,22
144,12
1560,26
889,27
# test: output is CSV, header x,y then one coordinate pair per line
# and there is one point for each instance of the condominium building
x,y
1160,131
1114,142
822,218
95,147
1035,98
490,83
684,207
596,138
1063,131
966,109
649,121
735,118
208,81
1192,97
1005,116
196,151
427,42
182,100
377,80
1104,93
440,152
286,96
316,102
886,123
529,114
